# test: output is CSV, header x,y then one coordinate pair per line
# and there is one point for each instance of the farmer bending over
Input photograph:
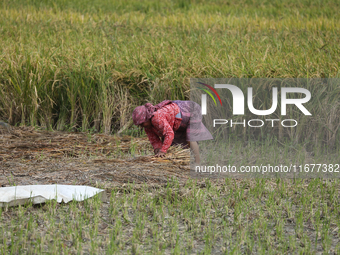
x,y
172,123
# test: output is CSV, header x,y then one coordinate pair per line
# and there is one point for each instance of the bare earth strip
x,y
39,157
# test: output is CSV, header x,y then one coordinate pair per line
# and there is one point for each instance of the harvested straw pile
x,y
29,156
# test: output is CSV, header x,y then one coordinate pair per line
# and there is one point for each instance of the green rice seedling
x,y
299,223
133,147
325,237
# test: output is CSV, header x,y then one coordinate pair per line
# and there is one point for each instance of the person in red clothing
x,y
171,123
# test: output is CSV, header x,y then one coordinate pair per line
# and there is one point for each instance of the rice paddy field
x,y
71,72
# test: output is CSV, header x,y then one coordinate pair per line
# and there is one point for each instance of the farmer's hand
x,y
156,151
160,154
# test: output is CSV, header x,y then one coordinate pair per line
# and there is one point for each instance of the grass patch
x,y
233,216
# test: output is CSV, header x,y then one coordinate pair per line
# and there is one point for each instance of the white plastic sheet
x,y
15,195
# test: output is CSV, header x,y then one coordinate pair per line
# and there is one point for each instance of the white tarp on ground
x,y
15,195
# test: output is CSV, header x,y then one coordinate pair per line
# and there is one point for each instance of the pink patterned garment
x,y
164,123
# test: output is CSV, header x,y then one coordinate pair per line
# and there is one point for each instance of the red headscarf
x,y
143,113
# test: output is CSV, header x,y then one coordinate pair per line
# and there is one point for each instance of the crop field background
x,y
86,64
81,67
